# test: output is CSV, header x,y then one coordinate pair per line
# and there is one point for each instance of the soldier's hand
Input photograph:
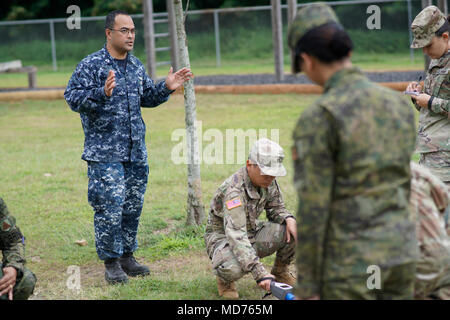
x,y
8,281
110,83
414,86
422,100
265,284
291,229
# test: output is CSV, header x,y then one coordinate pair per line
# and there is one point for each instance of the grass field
x,y
44,184
369,62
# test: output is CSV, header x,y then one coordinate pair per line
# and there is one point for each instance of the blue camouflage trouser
x,y
116,193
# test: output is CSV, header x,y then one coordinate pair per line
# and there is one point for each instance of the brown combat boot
x,y
282,274
227,289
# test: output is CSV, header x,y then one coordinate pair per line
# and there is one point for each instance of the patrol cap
x,y
308,18
424,26
268,155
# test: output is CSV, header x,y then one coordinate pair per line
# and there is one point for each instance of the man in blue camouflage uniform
x,y
108,89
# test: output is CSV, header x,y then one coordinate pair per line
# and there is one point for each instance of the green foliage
x,y
19,13
22,9
102,7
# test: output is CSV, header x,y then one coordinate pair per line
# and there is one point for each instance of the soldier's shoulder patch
x,y
233,203
6,225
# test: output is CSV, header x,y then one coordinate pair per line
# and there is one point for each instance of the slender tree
x,y
195,209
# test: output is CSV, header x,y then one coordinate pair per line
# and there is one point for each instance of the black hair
x,y
445,28
111,17
328,43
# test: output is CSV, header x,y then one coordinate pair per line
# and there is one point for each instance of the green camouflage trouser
x,y
269,238
433,267
24,286
397,283
438,163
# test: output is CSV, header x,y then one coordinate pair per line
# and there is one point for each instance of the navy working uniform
x,y
114,145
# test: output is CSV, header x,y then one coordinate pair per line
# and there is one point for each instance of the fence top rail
x,y
193,12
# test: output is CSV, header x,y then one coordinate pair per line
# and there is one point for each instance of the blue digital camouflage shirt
x,y
113,126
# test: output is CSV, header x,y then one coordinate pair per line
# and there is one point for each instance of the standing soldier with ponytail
x,y
431,33
351,154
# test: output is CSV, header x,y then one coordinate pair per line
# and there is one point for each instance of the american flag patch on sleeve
x,y
233,203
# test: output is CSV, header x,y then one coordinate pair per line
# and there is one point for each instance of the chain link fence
x,y
217,39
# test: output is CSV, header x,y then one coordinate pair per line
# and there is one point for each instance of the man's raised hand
x,y
110,83
176,80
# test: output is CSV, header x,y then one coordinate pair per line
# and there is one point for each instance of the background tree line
x,y
41,9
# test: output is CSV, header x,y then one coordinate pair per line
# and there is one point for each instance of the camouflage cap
x,y
268,155
308,18
424,26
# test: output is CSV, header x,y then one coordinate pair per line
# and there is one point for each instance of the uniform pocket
x,y
439,82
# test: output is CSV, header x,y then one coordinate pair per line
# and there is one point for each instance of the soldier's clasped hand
x,y
8,281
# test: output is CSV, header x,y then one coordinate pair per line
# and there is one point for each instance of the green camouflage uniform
x,y
235,239
13,249
429,199
433,141
351,155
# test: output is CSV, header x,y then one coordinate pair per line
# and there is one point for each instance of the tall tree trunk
x,y
195,209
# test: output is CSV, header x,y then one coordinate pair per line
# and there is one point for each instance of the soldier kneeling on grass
x,y
16,281
235,239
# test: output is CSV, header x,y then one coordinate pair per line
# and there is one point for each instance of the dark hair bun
x,y
340,44
328,43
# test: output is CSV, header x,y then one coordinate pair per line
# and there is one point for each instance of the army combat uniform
x,y
12,245
351,155
433,142
114,145
429,199
235,238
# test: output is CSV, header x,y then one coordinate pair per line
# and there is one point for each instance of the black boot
x,y
132,267
113,272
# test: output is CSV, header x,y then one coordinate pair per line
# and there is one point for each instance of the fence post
x,y
277,39
411,50
52,40
443,6
427,60
217,36
149,37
